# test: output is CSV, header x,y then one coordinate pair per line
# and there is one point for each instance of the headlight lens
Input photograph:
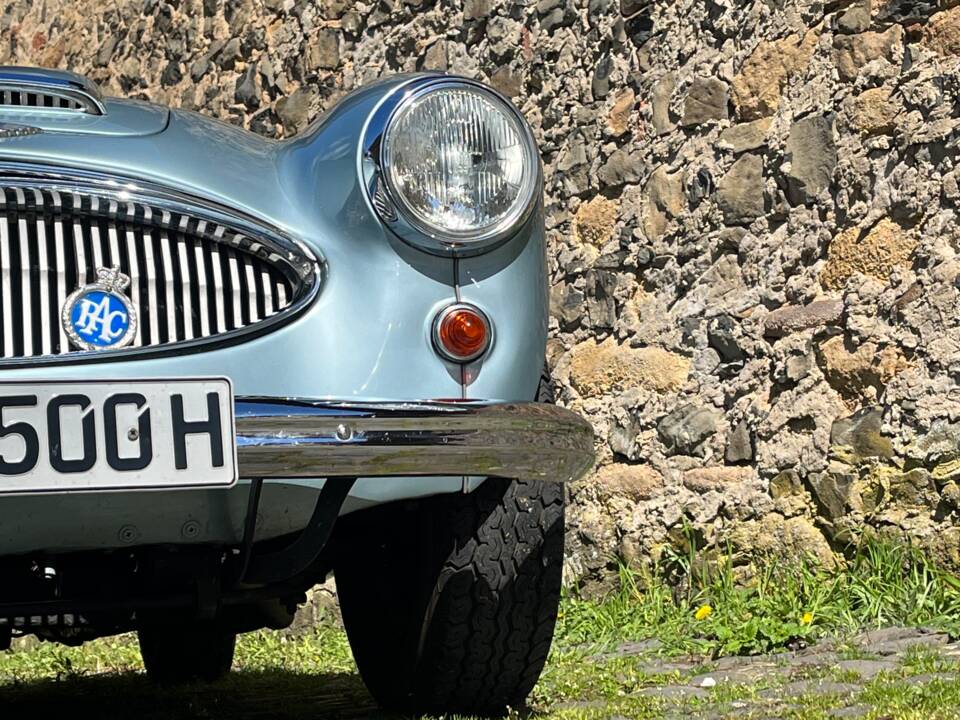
x,y
460,164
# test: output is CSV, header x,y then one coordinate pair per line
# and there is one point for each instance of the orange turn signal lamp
x,y
462,332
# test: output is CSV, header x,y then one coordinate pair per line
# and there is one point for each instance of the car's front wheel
x,y
450,603
188,652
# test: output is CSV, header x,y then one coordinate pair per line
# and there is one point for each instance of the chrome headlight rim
x,y
388,202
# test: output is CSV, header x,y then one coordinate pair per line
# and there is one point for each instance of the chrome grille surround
x,y
187,257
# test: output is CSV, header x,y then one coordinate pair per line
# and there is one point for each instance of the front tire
x,y
174,654
450,603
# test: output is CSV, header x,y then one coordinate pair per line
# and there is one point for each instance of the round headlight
x,y
459,164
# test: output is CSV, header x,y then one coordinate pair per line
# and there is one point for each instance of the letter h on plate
x,y
182,428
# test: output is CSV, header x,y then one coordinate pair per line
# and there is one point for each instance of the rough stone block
x,y
600,369
758,86
707,101
875,252
791,319
812,152
852,52
634,482
740,191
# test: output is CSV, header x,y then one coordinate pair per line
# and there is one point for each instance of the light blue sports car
x,y
231,366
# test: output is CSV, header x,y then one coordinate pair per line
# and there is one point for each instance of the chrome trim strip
x,y
310,439
9,130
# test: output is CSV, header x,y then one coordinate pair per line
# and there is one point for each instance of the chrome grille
x,y
192,279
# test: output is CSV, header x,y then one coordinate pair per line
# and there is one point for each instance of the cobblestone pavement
x,y
843,679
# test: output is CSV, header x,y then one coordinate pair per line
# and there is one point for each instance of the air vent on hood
x,y
41,89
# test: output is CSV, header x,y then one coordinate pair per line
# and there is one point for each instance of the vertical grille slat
x,y
254,297
133,258
7,269
236,301
15,308
60,265
151,278
201,270
79,249
43,266
169,289
97,248
26,301
113,242
48,237
267,289
186,295
190,278
218,288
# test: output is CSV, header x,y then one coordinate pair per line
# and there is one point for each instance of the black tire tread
x,y
480,632
494,619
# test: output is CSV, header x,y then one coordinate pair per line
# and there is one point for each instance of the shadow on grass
x,y
279,694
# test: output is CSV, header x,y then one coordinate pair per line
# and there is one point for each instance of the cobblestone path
x,y
863,677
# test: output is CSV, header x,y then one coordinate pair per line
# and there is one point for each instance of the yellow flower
x,y
806,618
703,612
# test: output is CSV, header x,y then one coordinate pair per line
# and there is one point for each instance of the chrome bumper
x,y
316,439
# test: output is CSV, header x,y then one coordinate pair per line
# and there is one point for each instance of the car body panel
x,y
508,285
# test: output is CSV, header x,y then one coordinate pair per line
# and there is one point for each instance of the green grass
x,y
313,675
323,651
785,606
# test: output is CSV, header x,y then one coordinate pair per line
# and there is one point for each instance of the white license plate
x,y
107,435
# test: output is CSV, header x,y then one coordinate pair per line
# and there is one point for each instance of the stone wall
x,y
752,208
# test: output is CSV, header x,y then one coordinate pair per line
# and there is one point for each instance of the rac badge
x,y
99,316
